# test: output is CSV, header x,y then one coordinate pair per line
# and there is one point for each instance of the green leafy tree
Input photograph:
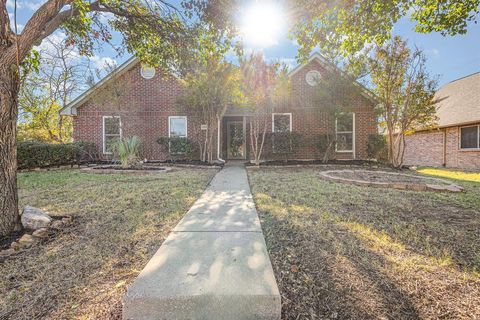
x,y
60,77
209,90
351,26
263,86
405,92
157,31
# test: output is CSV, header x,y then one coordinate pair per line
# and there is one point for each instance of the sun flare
x,y
262,24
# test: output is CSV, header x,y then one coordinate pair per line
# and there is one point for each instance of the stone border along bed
x,y
448,186
129,171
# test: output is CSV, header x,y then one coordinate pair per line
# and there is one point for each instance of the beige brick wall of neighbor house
x,y
145,106
426,148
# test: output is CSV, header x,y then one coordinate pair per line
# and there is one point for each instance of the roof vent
x,y
313,77
147,72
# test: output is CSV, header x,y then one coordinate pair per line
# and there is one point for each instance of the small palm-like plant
x,y
127,150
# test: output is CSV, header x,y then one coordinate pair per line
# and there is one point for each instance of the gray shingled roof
x,y
459,101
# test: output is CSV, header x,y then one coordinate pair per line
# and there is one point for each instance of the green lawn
x,y
349,252
119,223
451,174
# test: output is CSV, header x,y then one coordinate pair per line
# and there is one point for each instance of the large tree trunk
x,y
9,86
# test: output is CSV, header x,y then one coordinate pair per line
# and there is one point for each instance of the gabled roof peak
x,y
314,56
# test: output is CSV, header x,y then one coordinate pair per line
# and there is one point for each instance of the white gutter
x,y
218,142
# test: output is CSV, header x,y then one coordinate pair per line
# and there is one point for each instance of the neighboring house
x,y
455,142
144,104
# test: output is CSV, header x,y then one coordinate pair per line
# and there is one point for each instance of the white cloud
x,y
28,5
11,4
12,23
435,53
48,45
102,62
32,5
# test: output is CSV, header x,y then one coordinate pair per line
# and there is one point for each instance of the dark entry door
x,y
235,140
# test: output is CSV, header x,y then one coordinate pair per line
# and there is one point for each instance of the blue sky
x,y
448,57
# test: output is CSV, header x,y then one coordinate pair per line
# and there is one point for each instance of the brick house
x,y
140,101
455,141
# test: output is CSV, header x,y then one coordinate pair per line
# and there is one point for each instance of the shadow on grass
x,y
82,272
442,225
368,253
338,275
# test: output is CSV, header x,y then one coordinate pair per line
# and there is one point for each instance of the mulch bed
x,y
185,163
282,163
135,168
140,169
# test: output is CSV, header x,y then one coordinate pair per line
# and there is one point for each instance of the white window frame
x,y
460,138
170,132
340,132
103,131
186,125
281,114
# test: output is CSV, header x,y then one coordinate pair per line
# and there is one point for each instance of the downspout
x,y
218,142
444,147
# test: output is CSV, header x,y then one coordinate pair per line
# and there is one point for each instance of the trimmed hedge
x,y
177,147
285,142
283,145
31,154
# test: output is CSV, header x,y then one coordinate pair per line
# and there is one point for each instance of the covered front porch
x,y
233,137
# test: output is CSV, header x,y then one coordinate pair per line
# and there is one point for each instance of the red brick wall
x,y
145,106
426,148
311,120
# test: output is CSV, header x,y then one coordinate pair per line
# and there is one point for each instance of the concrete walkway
x,y
214,264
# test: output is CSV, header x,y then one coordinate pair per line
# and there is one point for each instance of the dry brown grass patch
x,y
119,223
369,254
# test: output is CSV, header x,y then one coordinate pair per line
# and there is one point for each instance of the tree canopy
x,y
159,32
405,93
352,25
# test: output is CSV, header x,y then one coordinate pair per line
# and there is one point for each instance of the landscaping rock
x,y
67,220
33,218
57,224
15,246
26,241
40,233
6,253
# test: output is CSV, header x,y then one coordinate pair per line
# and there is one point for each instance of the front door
x,y
235,140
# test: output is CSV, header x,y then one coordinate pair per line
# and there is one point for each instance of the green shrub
x,y
283,144
127,150
377,147
177,147
31,154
